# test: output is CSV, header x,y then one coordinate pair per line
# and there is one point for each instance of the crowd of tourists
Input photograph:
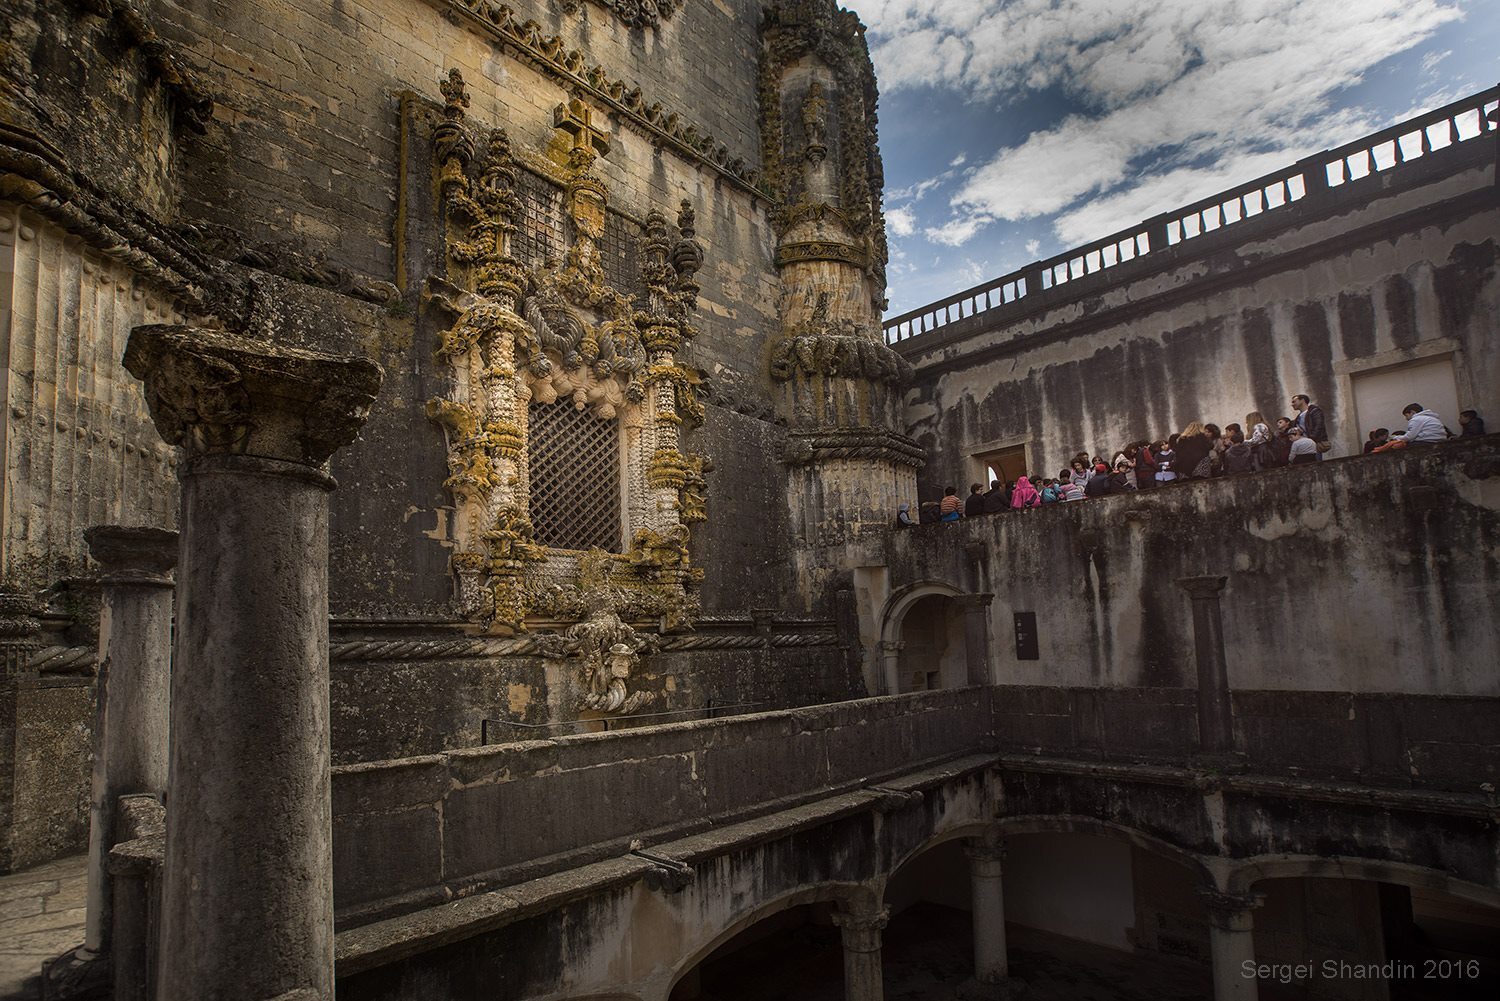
x,y
1199,451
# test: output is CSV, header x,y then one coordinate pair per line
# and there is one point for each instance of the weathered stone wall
x,y
78,445
838,799
103,105
1374,272
50,785
394,698
1372,574
424,829
1448,743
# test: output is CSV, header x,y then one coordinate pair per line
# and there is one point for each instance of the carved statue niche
x,y
815,124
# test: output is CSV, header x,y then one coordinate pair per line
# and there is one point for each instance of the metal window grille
x,y
574,460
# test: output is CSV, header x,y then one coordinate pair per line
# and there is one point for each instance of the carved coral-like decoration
x,y
519,336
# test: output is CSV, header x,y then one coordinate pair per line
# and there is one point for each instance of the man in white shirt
x,y
1422,426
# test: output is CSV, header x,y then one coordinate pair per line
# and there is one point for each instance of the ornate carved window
x,y
574,460
561,322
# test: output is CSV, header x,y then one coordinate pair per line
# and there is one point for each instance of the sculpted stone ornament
x,y
518,335
815,124
213,392
610,649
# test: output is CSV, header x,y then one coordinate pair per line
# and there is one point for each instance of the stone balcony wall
x,y
1368,574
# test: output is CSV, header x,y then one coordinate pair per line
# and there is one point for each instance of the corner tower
x,y
838,383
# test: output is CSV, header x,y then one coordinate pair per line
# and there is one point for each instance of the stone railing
x,y
1310,180
1382,740
421,831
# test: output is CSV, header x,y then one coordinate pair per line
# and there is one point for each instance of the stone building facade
x,y
556,325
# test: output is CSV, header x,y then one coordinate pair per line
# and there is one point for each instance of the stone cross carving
x,y
577,119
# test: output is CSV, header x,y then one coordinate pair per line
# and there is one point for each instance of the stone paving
x,y
41,916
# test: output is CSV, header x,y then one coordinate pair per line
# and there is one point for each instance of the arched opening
x,y
932,650
793,953
1364,939
1086,914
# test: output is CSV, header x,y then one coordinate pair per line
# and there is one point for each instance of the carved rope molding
x,y
481,648
548,53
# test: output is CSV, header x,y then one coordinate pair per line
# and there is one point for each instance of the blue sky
x,y
1013,130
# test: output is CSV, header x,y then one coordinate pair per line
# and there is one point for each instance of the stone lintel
x,y
133,553
216,393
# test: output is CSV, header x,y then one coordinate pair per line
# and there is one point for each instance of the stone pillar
x,y
1231,939
247,905
889,676
135,863
1215,725
992,978
863,977
976,612
135,661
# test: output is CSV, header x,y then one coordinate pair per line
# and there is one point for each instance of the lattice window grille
x,y
619,253
574,460
543,232
540,230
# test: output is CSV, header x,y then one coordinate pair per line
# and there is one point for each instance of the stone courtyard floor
x,y
41,916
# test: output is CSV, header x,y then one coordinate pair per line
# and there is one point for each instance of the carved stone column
x,y
889,678
863,978
1215,724
247,905
135,669
1231,938
976,612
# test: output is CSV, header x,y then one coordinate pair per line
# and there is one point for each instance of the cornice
x,y
549,54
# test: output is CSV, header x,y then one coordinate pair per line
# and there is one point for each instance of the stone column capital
x,y
1203,587
984,852
216,393
1231,911
862,928
974,602
131,554
890,647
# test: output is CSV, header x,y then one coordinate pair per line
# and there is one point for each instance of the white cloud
x,y
1178,95
959,161
901,221
959,231
1033,247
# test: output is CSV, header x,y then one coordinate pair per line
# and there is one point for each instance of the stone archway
x,y
839,897
933,635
